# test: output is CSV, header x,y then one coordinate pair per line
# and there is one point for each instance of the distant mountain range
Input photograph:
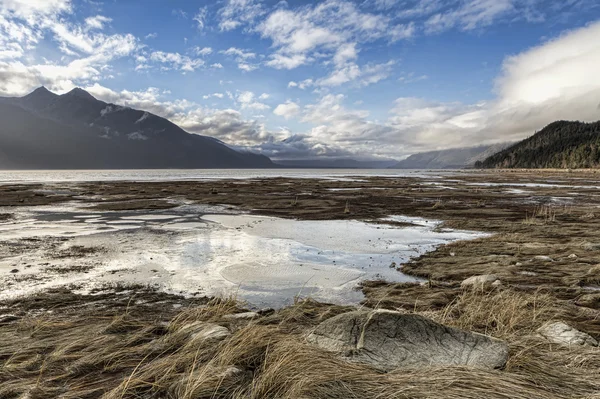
x,y
454,158
336,163
43,130
561,144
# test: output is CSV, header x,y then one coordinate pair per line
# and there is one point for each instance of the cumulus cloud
x,y
288,110
332,28
247,100
88,52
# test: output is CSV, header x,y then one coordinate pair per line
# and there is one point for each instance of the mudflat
x,y
542,246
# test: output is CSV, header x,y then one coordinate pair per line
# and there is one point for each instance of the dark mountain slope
x,y
30,141
561,144
96,134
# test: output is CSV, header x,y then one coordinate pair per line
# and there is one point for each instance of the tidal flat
x,y
106,287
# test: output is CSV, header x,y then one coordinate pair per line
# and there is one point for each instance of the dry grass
x,y
125,356
543,215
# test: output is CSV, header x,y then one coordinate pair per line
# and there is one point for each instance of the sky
x,y
295,79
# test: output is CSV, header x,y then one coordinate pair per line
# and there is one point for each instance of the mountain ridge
x,y
109,135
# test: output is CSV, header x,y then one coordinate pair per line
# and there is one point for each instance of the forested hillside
x,y
561,144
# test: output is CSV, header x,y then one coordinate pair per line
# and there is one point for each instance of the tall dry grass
x,y
200,353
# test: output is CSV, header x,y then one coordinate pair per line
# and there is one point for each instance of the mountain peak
x,y
80,93
41,92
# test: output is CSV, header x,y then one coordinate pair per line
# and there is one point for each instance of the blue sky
x,y
334,78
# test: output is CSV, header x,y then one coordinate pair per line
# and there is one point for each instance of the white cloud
x,y
279,61
247,100
247,67
352,73
332,28
264,96
89,52
28,9
152,35
97,22
302,85
200,17
216,95
203,51
553,81
346,52
241,56
238,53
476,14
236,13
176,61
216,65
287,110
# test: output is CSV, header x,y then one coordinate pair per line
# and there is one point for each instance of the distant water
x,y
49,176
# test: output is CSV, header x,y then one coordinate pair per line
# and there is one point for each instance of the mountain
x,y
75,130
343,163
454,158
561,144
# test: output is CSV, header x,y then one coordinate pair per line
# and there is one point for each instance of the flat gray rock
x,y
563,334
388,340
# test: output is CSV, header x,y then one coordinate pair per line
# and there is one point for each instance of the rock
x,y
563,334
388,340
14,271
497,284
211,332
202,331
241,316
479,281
572,256
543,258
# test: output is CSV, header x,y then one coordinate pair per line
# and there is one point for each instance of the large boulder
x,y
388,340
563,334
